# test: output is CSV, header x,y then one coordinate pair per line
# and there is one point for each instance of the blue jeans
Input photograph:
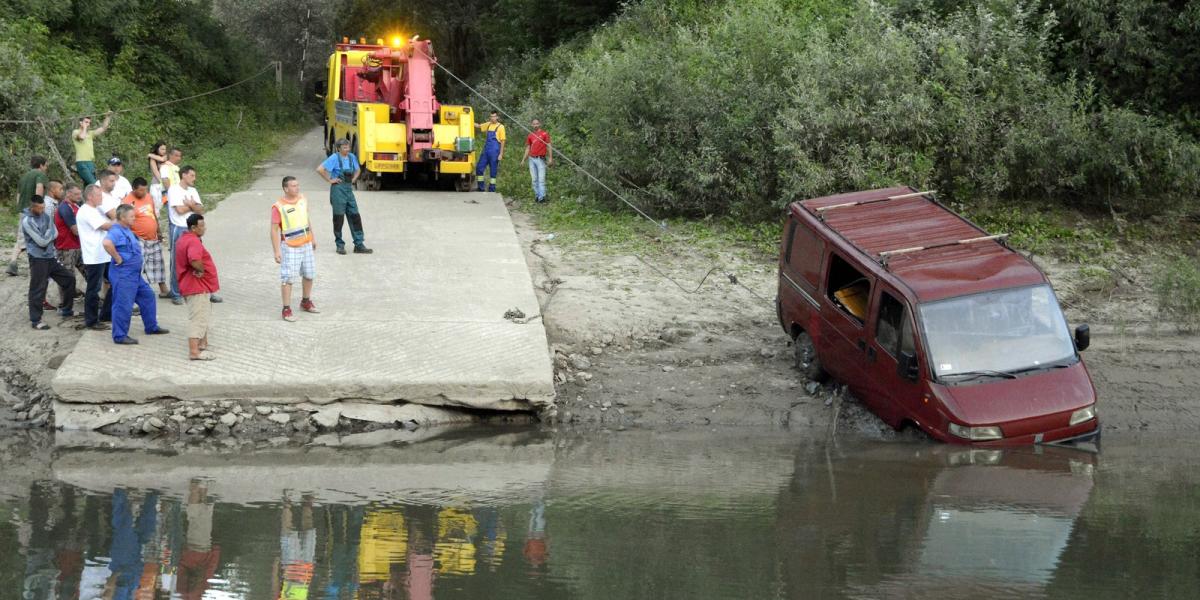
x,y
537,173
176,231
86,170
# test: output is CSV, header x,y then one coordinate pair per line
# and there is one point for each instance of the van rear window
x,y
804,255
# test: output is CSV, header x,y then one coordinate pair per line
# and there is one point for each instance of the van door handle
x,y
870,354
862,345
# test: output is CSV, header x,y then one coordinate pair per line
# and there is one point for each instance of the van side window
x,y
804,254
892,330
848,288
790,238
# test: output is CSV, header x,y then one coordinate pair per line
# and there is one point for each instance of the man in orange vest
x,y
294,243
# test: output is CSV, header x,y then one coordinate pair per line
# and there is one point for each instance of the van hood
x,y
997,401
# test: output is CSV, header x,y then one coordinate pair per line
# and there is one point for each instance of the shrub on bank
x,y
740,108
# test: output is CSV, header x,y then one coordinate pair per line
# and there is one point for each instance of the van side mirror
x,y
907,366
1083,337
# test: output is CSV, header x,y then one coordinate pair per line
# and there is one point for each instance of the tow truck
x,y
381,98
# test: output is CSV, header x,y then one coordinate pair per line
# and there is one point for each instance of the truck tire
x,y
804,355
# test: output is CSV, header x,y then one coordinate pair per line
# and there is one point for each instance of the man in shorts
x,y
197,276
145,226
294,245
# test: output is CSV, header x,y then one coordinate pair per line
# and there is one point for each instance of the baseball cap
x,y
114,161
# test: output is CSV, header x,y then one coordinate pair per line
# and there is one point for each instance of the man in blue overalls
x,y
125,274
493,150
341,170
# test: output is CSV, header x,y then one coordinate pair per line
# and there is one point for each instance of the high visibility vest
x,y
293,221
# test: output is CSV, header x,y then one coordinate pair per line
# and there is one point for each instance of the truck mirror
x,y
907,366
1083,337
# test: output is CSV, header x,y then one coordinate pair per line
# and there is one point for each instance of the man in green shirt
x,y
85,153
33,183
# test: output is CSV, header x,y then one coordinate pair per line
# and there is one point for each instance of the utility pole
x,y
304,46
279,80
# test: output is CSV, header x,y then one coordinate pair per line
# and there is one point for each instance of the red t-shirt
x,y
66,240
189,248
538,141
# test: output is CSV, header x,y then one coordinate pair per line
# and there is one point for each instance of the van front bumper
x,y
1083,432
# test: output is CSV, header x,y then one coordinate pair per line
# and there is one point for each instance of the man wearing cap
x,y
341,170
85,151
33,183
121,187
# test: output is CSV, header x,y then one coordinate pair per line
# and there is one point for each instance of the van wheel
x,y
804,354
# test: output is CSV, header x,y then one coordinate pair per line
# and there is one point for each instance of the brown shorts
x,y
199,315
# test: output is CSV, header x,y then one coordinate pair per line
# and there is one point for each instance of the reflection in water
x,y
632,517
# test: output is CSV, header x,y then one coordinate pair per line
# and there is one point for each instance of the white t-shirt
x,y
121,188
175,197
89,219
109,202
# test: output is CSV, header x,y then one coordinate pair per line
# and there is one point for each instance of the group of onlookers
x,y
110,232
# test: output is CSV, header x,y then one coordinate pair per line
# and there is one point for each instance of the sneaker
x,y
177,301
215,299
363,250
287,315
341,250
48,306
137,311
308,306
66,314
40,326
98,327
126,341
12,269
159,331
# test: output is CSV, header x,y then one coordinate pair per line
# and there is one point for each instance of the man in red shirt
x,y
540,155
67,242
197,276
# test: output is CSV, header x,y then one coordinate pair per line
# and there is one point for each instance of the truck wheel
x,y
804,354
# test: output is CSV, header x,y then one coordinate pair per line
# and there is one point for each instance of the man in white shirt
x,y
183,200
93,226
121,187
107,180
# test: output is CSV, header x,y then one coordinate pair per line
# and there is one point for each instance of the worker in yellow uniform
x,y
493,151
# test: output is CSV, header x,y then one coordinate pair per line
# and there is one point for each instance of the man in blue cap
x,y
341,170
125,273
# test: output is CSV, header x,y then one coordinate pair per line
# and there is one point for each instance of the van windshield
x,y
1001,331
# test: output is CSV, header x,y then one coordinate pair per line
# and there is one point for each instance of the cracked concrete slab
x,y
420,320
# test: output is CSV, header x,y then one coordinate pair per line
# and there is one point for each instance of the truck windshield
x,y
1001,331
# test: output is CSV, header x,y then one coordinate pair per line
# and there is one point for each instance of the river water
x,y
634,514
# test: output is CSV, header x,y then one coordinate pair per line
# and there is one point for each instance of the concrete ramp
x,y
421,320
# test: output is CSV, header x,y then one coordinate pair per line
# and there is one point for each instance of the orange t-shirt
x,y
145,220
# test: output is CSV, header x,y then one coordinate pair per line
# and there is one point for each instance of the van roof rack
x,y
885,256
822,210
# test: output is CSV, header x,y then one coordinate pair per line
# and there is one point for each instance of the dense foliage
x,y
69,58
736,108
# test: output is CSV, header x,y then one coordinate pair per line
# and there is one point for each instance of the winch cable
x,y
662,225
269,67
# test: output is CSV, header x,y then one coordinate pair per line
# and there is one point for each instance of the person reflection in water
x,y
346,530
128,537
198,562
535,539
297,550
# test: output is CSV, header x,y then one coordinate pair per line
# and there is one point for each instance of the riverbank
x,y
633,349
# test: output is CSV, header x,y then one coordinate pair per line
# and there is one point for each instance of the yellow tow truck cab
x,y
381,98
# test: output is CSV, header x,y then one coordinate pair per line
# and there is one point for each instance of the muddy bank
x,y
633,349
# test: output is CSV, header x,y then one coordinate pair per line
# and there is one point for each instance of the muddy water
x,y
524,514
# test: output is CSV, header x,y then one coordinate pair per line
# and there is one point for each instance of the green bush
x,y
114,55
1177,288
738,108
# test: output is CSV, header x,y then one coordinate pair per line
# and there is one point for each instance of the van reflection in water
x,y
940,522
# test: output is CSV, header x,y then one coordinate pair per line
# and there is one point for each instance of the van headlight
x,y
976,433
1086,413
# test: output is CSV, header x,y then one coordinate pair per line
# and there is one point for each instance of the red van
x,y
930,321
